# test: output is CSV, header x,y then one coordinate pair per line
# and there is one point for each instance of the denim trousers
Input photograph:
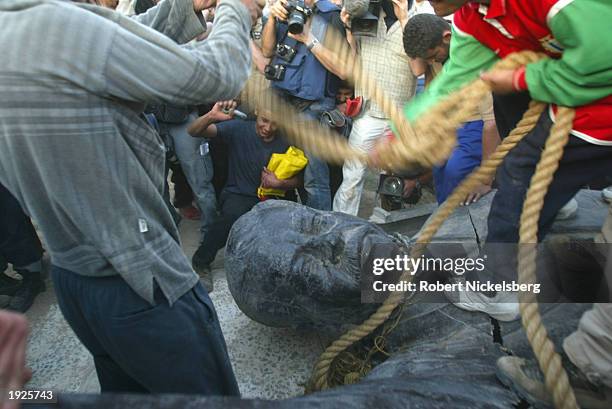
x,y
316,174
198,170
19,243
142,348
581,163
465,158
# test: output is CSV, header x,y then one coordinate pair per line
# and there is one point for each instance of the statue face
x,y
300,262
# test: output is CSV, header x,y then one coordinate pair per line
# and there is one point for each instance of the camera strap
x,y
319,27
318,30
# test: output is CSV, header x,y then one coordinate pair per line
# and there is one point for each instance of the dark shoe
x,y
205,273
524,378
8,285
24,297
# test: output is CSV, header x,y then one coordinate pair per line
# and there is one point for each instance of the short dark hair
x,y
422,33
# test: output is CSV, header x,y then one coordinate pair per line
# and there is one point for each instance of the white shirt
x,y
420,8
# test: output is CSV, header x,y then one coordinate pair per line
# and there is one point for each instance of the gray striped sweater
x,y
74,150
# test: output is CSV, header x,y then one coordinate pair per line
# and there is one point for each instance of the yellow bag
x,y
284,165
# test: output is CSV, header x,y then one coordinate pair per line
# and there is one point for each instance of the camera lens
x,y
296,22
393,186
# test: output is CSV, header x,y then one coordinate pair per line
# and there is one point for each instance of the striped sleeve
x,y
144,66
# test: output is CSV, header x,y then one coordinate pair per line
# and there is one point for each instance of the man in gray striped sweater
x,y
77,155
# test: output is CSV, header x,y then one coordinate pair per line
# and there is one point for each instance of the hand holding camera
x,y
294,12
279,10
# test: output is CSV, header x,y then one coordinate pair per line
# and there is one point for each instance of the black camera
x,y
391,193
285,53
298,13
274,72
367,24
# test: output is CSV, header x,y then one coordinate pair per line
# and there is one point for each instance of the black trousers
x,y
232,206
19,244
141,348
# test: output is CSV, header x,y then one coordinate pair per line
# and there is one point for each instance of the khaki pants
x,y
590,347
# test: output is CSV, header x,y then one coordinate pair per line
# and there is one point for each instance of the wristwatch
x,y
311,44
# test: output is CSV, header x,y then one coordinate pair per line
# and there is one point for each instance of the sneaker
x,y
568,211
8,285
526,380
504,306
606,194
205,273
24,297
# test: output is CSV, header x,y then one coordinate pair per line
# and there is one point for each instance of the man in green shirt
x,y
576,76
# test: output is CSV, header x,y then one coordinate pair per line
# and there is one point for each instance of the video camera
x,y
364,21
298,14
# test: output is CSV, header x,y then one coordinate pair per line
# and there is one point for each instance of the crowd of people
x,y
105,101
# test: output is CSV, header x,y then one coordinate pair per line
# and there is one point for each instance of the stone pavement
x,y
269,363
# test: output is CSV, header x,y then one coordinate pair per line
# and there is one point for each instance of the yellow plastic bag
x,y
284,165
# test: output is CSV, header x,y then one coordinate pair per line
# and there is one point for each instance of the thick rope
x,y
319,378
427,145
556,378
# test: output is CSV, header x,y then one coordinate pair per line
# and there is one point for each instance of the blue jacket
x,y
305,77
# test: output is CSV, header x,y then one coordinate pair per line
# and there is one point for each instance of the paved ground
x,y
269,362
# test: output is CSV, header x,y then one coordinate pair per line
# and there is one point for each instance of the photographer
x,y
382,56
302,71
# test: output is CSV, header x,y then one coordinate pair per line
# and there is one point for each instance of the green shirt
x,y
582,75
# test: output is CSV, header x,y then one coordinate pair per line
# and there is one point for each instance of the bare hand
x,y
279,11
345,17
400,8
254,9
13,339
409,186
199,5
476,194
223,110
500,81
305,36
269,179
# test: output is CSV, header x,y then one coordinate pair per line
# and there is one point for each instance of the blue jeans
x,y
465,158
142,348
316,174
581,163
197,169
